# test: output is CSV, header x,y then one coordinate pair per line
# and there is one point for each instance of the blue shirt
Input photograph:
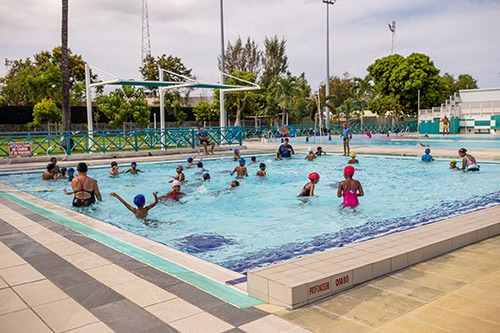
x,y
285,151
203,136
345,133
427,158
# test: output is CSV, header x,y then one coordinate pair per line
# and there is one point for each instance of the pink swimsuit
x,y
350,195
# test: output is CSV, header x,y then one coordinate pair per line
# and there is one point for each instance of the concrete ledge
x,y
305,280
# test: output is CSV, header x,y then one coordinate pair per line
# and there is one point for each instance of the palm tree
x,y
66,111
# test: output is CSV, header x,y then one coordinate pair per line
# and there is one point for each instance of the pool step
x,y
303,281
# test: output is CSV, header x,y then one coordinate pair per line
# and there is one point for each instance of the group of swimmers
x,y
469,162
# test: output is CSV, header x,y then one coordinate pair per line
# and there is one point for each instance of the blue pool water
x,y
263,221
435,141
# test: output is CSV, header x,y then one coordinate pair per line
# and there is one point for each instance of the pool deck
x,y
54,278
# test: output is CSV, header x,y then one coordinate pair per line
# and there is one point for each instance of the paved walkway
x,y
53,279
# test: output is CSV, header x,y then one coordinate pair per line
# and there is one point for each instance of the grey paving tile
x,y
50,264
195,296
161,329
106,252
124,316
234,330
236,316
93,294
157,277
7,229
64,231
30,249
15,238
81,239
131,264
70,279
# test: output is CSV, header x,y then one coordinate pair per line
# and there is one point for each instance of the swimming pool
x,y
435,141
263,221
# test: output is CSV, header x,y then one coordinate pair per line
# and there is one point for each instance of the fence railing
x,y
105,141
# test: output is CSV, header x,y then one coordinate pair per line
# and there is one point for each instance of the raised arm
x,y
132,209
151,205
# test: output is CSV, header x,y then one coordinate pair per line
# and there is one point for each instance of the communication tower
x,y
146,41
392,27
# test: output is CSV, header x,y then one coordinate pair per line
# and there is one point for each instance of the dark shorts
x,y
83,202
346,139
203,141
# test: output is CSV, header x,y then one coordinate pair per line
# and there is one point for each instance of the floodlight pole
x,y
223,115
90,122
162,110
327,83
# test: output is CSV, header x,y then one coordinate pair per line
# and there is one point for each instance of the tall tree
x,y
125,104
290,95
274,60
65,85
242,58
241,103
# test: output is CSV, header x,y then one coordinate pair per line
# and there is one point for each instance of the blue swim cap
x,y
190,159
71,170
133,163
242,160
139,200
427,150
236,151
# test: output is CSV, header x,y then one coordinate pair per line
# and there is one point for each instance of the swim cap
x,y
462,150
453,161
133,163
344,124
427,150
309,149
313,176
62,170
206,176
139,200
242,160
352,154
71,170
179,166
190,159
236,151
176,183
349,170
262,166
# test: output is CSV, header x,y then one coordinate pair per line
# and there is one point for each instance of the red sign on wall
x,y
19,149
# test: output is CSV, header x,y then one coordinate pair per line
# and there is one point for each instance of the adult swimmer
x,y
468,161
85,188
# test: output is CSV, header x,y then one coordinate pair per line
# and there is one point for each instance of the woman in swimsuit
x,y
350,188
85,188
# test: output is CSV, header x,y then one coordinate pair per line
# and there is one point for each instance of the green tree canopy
x,y
205,112
274,60
45,112
30,81
124,105
241,58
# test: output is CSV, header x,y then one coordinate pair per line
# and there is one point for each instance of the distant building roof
x,y
480,95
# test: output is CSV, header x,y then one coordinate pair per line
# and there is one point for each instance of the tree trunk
x,y
65,86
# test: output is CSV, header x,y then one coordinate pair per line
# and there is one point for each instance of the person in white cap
x,y
310,154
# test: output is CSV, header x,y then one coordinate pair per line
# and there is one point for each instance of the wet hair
x,y
206,176
82,167
113,164
236,183
52,159
262,165
199,164
462,150
50,166
62,170
253,158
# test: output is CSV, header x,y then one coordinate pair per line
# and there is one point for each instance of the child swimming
x,y
350,188
236,155
176,193
353,159
262,170
310,154
453,165
180,175
427,157
139,200
241,170
308,189
133,169
114,169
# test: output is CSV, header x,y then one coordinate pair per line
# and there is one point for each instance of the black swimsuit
x,y
83,202
305,192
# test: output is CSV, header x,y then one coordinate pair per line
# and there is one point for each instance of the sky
x,y
460,36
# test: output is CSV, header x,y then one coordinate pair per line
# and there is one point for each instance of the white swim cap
x,y
309,149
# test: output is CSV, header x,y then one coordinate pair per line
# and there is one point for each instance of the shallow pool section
x,y
263,221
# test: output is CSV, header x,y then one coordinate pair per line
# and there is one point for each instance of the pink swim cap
x,y
176,183
313,176
349,170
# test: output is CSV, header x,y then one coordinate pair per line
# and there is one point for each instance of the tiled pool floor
x,y
53,279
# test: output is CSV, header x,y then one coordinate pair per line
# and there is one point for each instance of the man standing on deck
x,y
446,125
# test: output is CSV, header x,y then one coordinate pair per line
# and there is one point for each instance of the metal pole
x,y
162,111
223,115
90,121
327,84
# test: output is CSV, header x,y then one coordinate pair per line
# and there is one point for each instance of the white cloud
x,y
460,36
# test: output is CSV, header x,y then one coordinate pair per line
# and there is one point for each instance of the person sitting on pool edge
x,y
205,140
308,189
85,188
353,159
139,200
350,188
241,170
427,157
468,161
285,150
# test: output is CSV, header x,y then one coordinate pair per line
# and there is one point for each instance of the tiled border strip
x,y
223,292
302,281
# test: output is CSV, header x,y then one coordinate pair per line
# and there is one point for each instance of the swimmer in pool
x,y
310,154
61,174
453,165
70,174
319,151
350,188
191,162
114,169
49,174
176,193
133,169
206,177
468,161
85,189
253,159
241,170
139,200
427,157
200,169
237,154
180,175
308,189
262,170
234,184
353,159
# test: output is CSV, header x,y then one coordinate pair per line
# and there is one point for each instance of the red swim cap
x,y
344,124
313,176
349,170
